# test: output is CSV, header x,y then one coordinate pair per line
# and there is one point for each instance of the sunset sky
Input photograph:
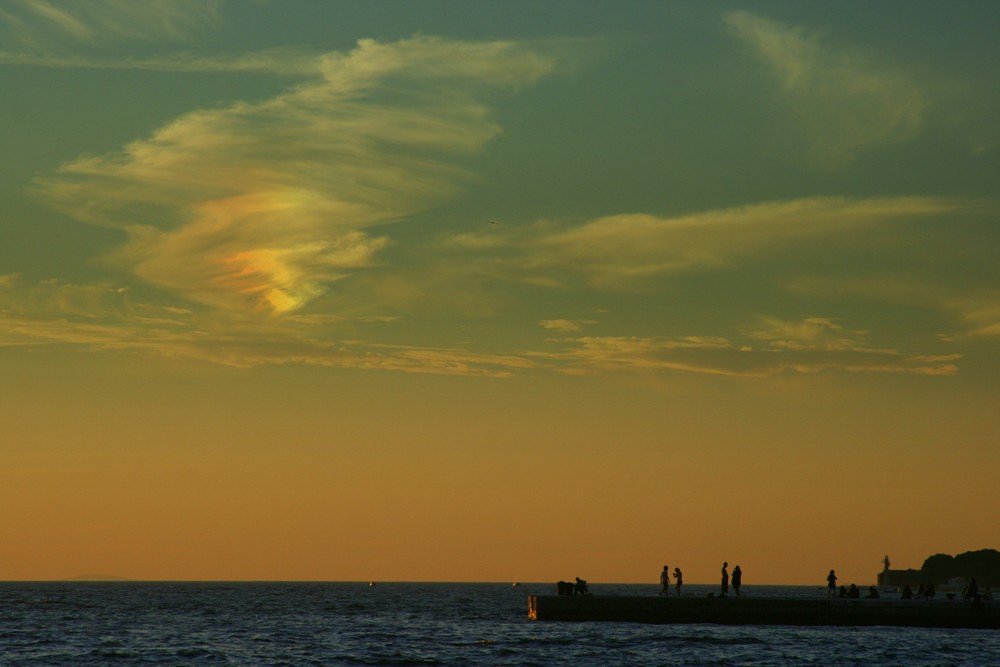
x,y
497,291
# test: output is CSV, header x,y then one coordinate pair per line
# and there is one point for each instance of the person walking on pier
x,y
725,579
679,579
831,584
665,581
737,579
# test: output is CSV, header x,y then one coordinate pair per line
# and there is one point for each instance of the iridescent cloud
x,y
261,206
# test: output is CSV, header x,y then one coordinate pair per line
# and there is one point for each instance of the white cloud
x,y
843,101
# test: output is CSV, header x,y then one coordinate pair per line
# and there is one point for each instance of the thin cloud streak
x,y
278,61
565,325
720,356
47,25
628,251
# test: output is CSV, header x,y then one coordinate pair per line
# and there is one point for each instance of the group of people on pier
x,y
665,580
845,592
924,592
737,580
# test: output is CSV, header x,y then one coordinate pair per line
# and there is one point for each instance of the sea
x,y
396,623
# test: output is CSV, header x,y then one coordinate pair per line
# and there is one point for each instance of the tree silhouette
x,y
983,564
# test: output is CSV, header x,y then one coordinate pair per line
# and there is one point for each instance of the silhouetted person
x,y
872,593
907,593
929,590
737,579
581,587
843,592
831,584
725,579
921,592
678,579
665,581
853,592
972,592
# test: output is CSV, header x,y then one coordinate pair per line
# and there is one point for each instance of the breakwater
x,y
765,611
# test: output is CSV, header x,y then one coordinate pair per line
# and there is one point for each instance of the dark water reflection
x,y
416,624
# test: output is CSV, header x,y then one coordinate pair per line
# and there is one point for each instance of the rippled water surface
x,y
416,624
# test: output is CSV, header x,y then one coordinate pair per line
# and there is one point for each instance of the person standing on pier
x,y
665,580
737,579
831,584
678,578
725,579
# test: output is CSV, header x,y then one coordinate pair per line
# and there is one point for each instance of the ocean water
x,y
160,623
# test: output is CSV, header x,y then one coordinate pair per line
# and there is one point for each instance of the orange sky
x,y
739,300
292,474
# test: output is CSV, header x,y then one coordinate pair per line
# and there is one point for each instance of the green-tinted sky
x,y
489,290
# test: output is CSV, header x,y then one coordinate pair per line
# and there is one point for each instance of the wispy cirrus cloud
x,y
813,345
765,246
47,26
79,33
842,101
980,312
290,61
565,325
972,311
817,344
261,206
106,317
812,333
631,250
696,354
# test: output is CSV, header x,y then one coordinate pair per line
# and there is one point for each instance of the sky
x,y
497,291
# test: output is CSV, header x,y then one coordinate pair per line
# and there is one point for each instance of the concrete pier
x,y
765,611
